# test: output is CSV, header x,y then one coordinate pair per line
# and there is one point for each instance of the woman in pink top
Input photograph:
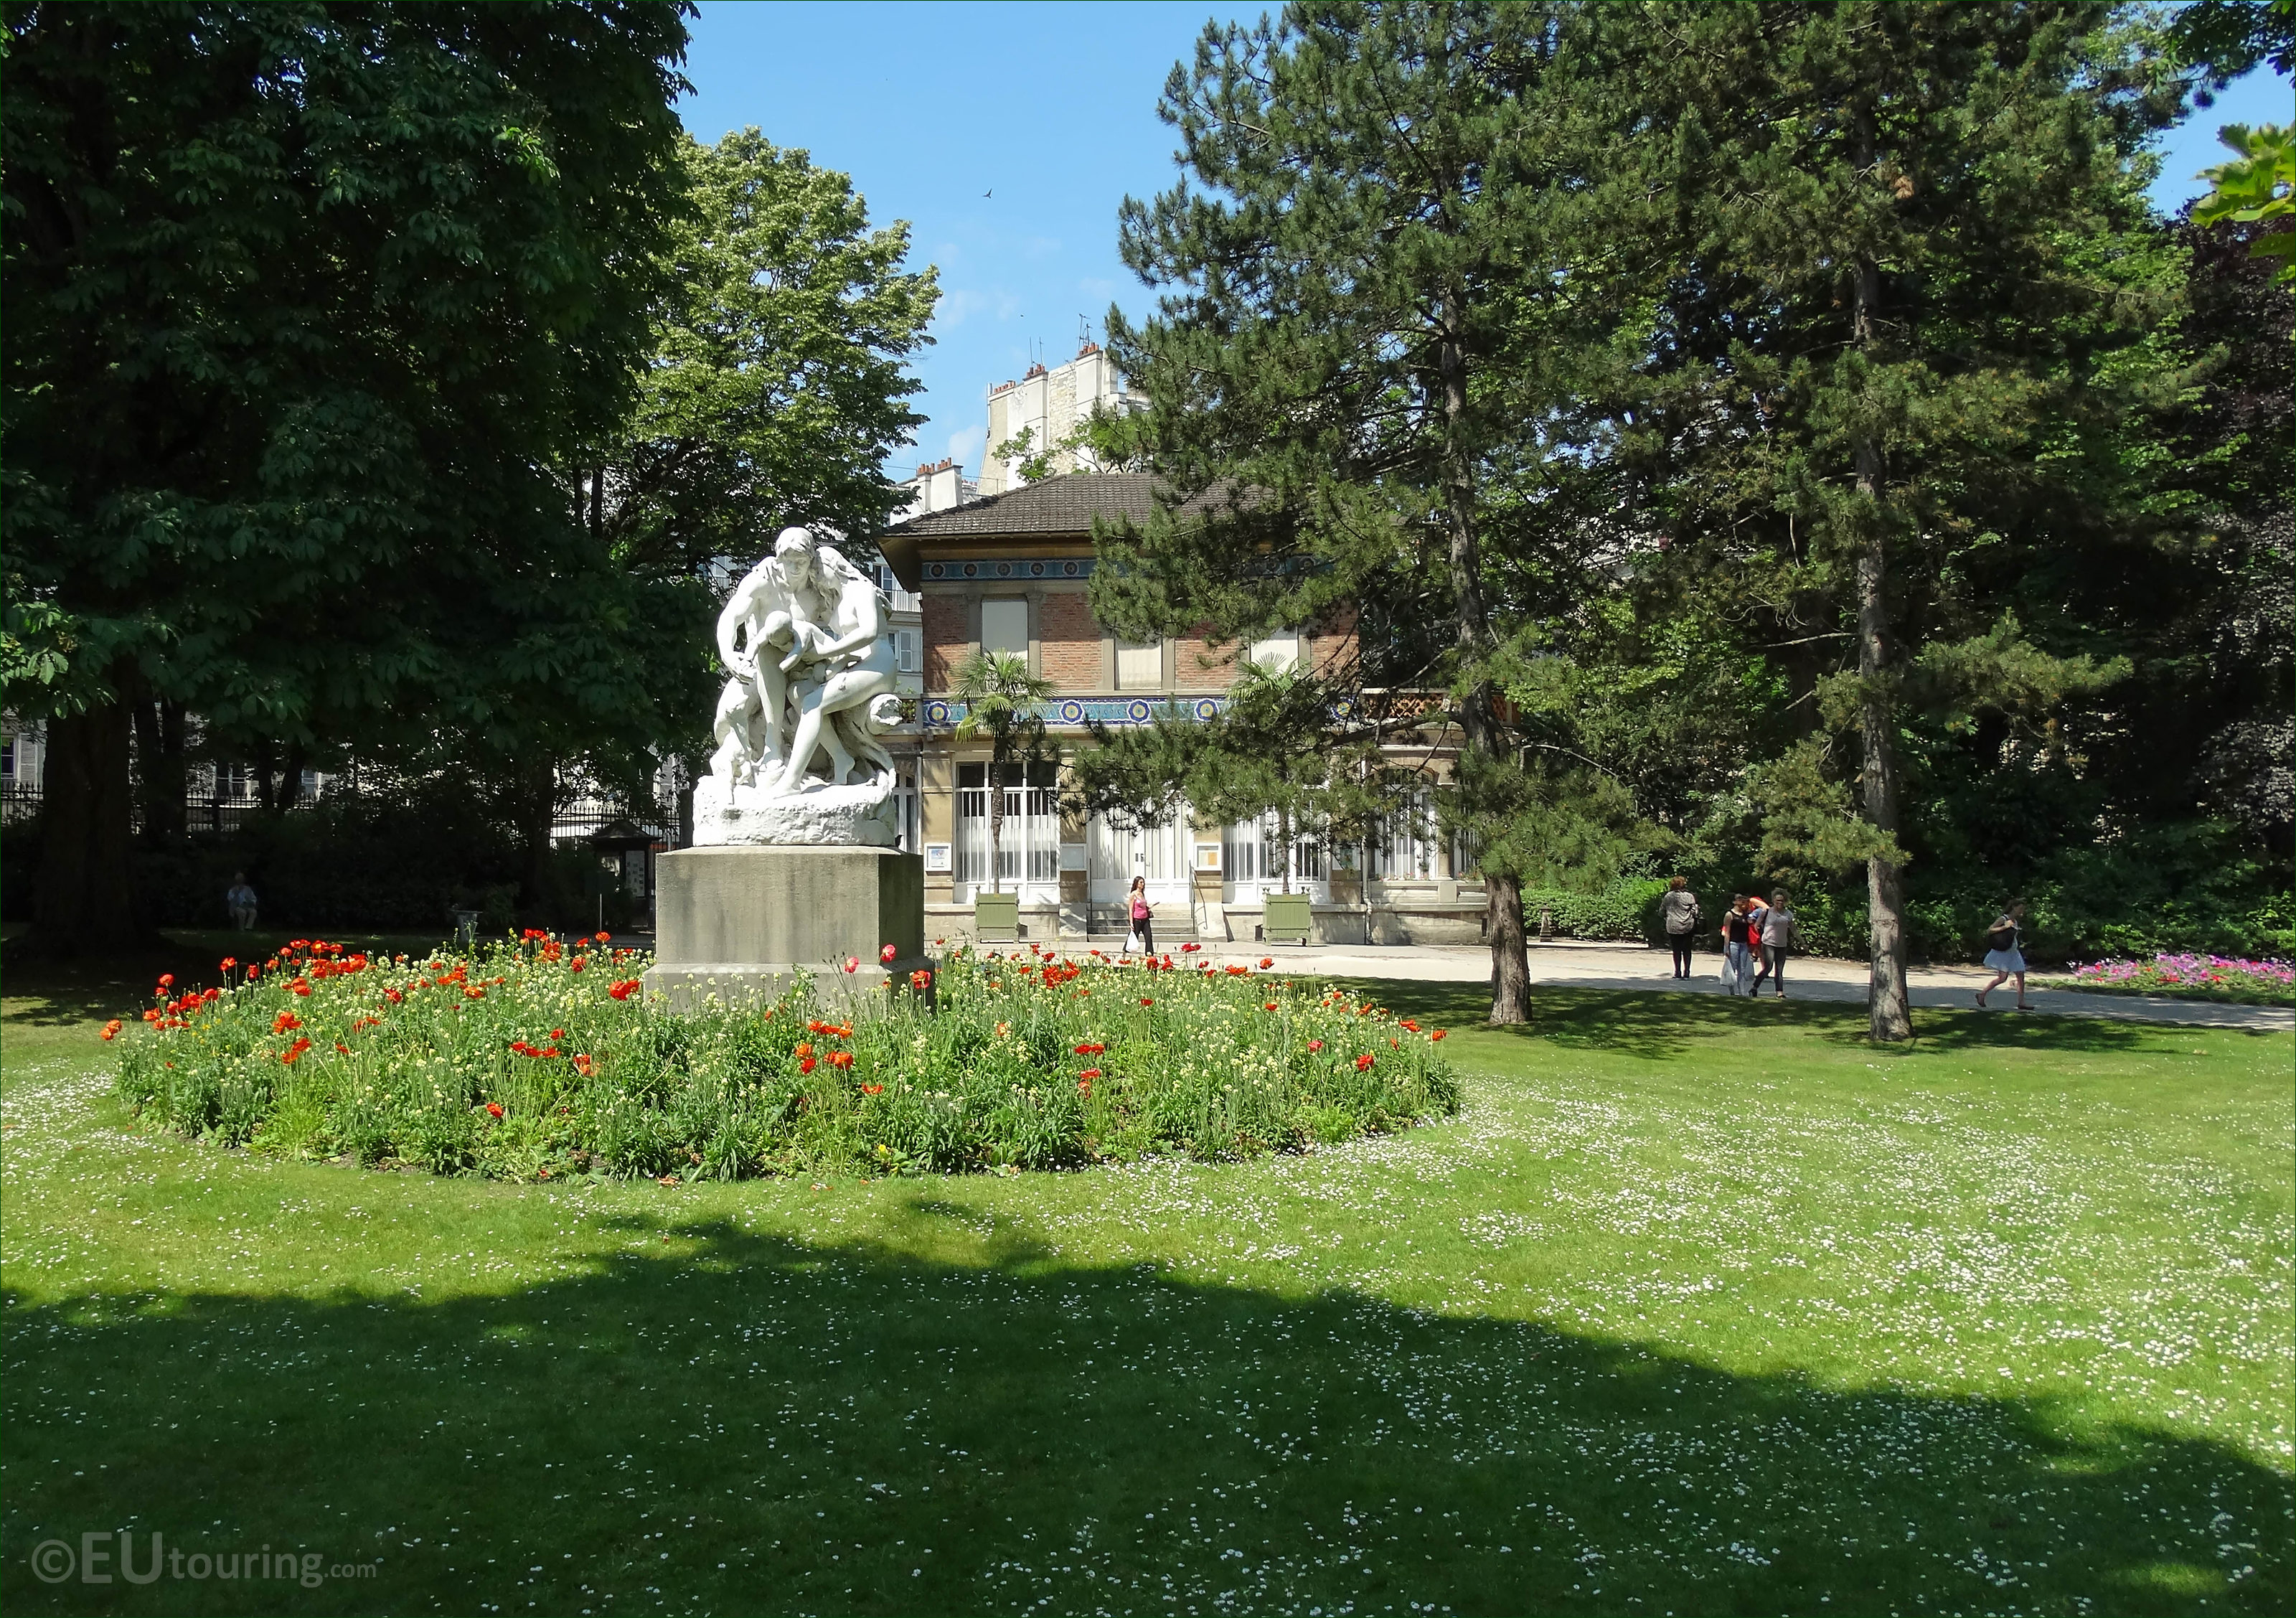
x,y
1144,930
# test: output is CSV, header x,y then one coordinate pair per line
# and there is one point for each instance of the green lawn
x,y
1700,1307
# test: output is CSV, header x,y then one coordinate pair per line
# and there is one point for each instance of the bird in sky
x,y
988,193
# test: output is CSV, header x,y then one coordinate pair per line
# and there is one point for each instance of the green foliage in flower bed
x,y
542,1059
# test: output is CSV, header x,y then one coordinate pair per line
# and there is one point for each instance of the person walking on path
x,y
240,900
1143,933
2004,952
1737,939
1777,937
1678,911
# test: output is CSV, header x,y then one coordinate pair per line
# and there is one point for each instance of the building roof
x,y
1065,504
1062,506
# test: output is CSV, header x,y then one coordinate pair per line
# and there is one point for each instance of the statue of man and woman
x,y
805,640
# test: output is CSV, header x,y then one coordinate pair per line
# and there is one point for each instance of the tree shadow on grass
x,y
1661,1026
927,1419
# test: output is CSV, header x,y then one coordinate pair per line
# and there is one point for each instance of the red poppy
x,y
840,1059
471,991
286,1021
111,1029
1315,1045
167,980
852,962
872,1090
808,1065
584,1066
1363,1061
919,981
578,963
887,954
1438,1034
301,986
494,1109
1090,1050
1267,962
805,1050
1090,1073
1144,1000
228,962
1270,1006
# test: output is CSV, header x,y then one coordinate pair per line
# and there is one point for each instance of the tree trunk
x,y
1478,717
160,769
537,813
996,828
87,902
1888,1010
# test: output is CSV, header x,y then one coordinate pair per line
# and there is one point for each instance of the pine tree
x,y
1897,296
1383,257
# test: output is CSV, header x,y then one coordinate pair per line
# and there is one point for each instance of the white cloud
x,y
967,443
956,303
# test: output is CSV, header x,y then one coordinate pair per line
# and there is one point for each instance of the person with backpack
x,y
1678,909
2004,952
1777,936
1737,941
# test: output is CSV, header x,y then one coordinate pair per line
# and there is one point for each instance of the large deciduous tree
x,y
305,307
779,381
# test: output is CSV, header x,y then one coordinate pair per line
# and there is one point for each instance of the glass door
x,y
1029,850
1120,850
1252,857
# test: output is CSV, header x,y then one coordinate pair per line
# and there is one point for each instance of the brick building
x,y
1009,571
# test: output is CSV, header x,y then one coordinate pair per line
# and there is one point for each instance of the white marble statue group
x,y
808,652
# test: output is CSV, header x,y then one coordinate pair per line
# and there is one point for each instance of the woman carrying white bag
x,y
1142,934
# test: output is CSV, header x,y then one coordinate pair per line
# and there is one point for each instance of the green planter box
x,y
1287,915
997,918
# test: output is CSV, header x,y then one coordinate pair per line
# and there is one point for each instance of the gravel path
x,y
1807,978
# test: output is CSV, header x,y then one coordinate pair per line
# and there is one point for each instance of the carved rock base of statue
x,y
863,815
736,922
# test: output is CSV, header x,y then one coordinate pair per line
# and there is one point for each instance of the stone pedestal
x,y
736,922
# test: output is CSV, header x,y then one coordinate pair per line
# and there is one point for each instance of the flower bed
x,y
543,1058
2189,977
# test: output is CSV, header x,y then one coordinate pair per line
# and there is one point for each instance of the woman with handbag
x,y
1143,933
2004,952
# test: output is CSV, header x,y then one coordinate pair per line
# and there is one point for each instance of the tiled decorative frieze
x,y
1060,567
1092,710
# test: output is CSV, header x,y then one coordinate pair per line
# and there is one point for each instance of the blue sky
x,y
1007,134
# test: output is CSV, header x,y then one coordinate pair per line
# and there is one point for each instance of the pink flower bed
x,y
2189,974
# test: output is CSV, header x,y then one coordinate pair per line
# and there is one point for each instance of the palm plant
x,y
1001,698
